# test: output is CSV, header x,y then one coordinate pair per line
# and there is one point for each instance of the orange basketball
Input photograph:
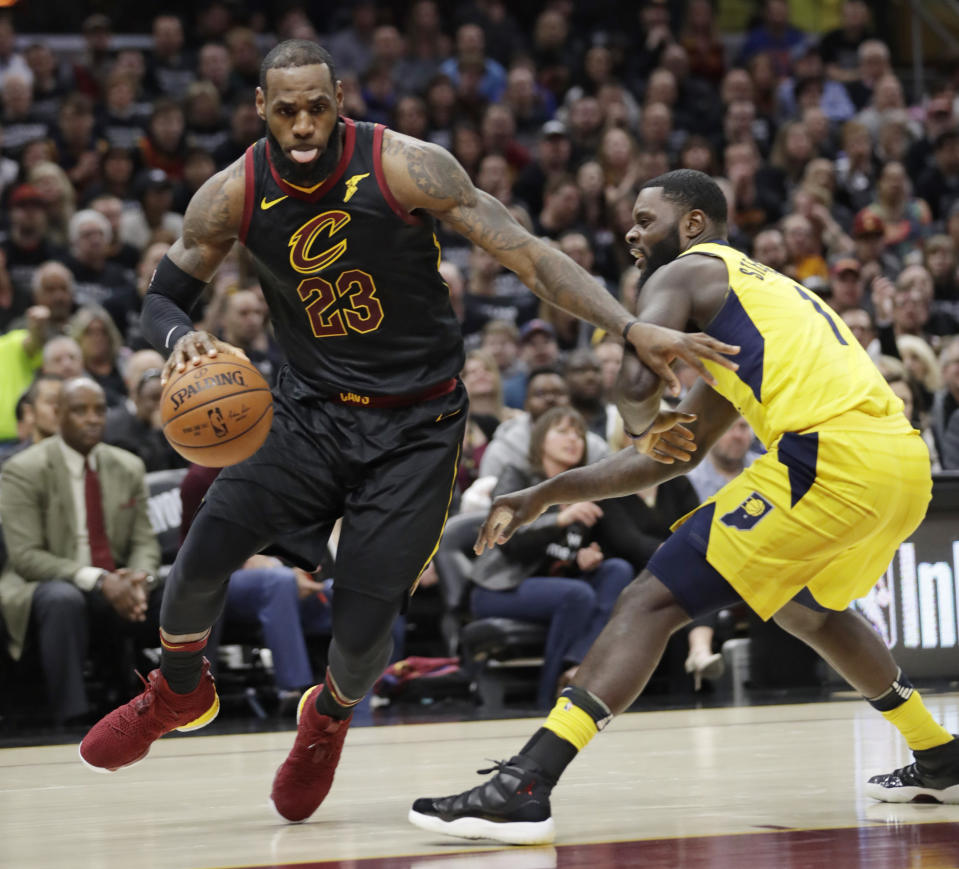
x,y
218,413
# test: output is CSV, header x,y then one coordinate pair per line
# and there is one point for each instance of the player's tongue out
x,y
303,155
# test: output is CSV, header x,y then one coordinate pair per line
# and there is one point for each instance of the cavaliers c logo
x,y
302,257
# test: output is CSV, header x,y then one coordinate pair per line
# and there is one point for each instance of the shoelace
x,y
148,698
145,700
317,752
498,766
319,747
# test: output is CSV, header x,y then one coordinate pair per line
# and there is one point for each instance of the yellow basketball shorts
x,y
823,511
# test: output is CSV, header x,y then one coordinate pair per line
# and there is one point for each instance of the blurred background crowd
x,y
836,145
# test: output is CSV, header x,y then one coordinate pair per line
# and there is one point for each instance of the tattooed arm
x,y
424,176
210,226
211,223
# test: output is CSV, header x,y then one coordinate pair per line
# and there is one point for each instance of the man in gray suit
x,y
81,552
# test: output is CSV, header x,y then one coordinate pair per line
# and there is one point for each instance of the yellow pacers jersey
x,y
799,365
846,477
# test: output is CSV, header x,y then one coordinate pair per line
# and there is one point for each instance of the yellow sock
x,y
917,725
571,723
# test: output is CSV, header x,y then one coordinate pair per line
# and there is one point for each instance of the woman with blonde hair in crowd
x,y
59,197
923,366
484,386
905,386
100,343
483,383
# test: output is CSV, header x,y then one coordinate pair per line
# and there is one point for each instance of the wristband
x,y
627,327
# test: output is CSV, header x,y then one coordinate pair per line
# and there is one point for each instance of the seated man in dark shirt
x,y
98,280
139,431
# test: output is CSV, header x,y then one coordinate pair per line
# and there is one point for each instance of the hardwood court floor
x,y
776,786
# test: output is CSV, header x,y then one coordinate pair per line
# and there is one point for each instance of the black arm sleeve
x,y
165,315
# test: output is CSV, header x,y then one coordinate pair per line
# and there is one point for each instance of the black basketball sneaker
x,y
932,778
512,807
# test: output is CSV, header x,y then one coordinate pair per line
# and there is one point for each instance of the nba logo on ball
x,y
218,413
217,422
749,513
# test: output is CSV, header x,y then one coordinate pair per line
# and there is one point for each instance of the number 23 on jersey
x,y
348,303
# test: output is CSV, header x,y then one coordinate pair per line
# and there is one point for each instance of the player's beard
x,y
664,251
309,174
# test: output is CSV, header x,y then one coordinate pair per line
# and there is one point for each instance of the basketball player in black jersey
x,y
369,413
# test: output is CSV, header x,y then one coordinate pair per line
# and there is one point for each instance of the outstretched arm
x,y
623,473
210,226
424,176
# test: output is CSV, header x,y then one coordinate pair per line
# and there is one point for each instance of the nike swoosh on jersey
x,y
266,204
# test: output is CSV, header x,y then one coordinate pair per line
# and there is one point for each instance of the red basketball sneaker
x,y
125,735
304,779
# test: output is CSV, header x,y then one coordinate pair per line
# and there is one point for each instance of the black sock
x,y
329,703
551,753
548,750
182,664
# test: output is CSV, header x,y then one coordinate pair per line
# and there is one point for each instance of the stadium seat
x,y
501,654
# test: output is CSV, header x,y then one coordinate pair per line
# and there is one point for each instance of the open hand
x,y
657,346
507,513
668,440
191,349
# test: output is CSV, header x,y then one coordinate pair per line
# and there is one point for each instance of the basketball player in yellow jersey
x,y
801,533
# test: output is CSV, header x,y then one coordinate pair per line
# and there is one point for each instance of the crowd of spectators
x,y
833,176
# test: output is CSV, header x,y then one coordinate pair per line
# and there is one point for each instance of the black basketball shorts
x,y
389,472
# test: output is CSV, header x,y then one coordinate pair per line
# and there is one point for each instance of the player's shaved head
x,y
690,189
293,53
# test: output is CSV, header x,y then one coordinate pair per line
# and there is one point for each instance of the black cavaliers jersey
x,y
351,279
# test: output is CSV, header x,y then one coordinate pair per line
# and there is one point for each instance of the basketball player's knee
x,y
799,621
646,597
